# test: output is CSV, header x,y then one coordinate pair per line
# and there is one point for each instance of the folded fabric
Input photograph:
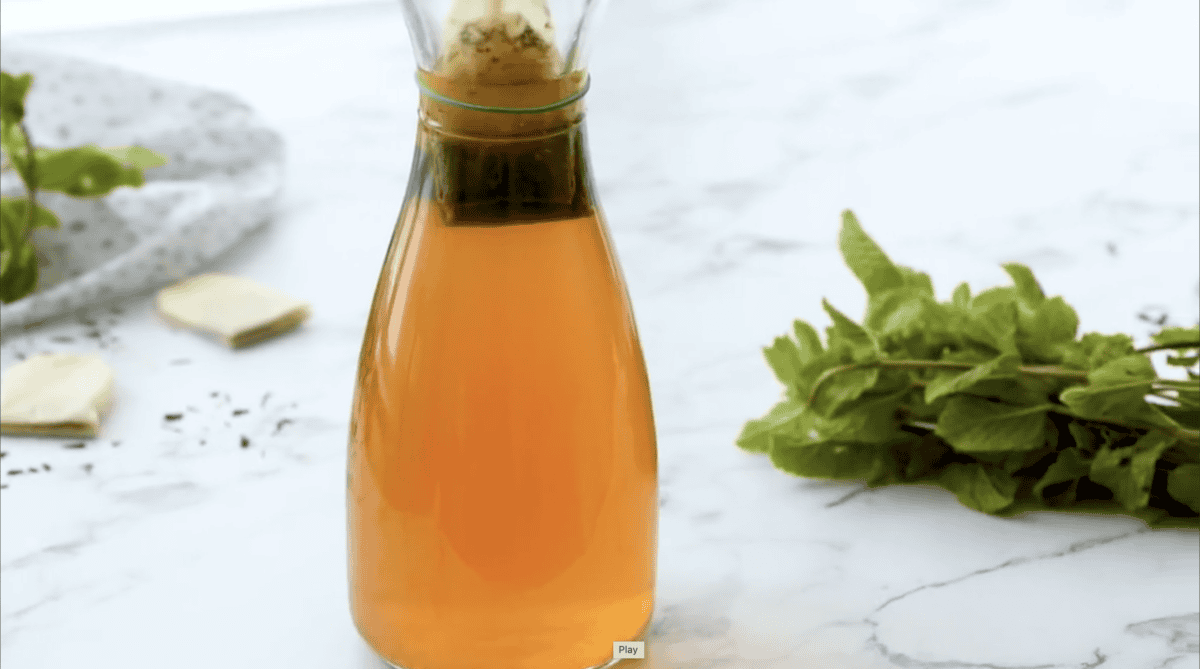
x,y
223,177
237,310
55,395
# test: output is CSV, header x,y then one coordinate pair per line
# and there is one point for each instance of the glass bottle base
x,y
610,664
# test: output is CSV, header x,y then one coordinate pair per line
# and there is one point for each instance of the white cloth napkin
x,y
222,180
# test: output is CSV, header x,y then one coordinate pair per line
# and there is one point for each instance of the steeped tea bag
x,y
55,395
485,44
236,310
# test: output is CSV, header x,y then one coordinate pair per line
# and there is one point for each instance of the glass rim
x,y
427,91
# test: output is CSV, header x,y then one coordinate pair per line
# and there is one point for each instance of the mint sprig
x,y
991,396
85,171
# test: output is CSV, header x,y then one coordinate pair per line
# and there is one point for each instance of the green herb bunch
x,y
85,171
990,396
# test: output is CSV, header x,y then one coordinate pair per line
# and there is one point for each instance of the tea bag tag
x,y
55,395
237,310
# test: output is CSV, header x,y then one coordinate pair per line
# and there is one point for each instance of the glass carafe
x,y
502,488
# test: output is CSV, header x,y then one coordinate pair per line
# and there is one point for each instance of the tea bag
x,y
497,42
55,395
236,310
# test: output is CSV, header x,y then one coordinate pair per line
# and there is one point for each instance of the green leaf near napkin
x,y
85,171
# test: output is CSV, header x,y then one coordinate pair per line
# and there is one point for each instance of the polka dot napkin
x,y
223,179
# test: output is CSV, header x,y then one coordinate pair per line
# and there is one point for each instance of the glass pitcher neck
x,y
484,109
531,168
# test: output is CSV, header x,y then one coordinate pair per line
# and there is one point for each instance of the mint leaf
x,y
895,310
1117,391
85,171
829,459
1027,288
843,388
1068,466
13,139
962,296
18,261
784,359
1012,462
978,487
1044,333
12,112
1183,484
1019,391
15,210
999,295
808,343
1028,417
847,340
1174,336
796,363
1081,436
868,417
990,323
1188,397
783,417
972,424
918,457
909,324
1128,471
13,90
916,408
946,382
1188,417
918,282
865,258
135,156
1053,320
1095,350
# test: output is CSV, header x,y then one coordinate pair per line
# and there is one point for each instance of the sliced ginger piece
x,y
237,310
55,395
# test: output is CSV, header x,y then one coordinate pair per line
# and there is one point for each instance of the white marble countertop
x,y
726,136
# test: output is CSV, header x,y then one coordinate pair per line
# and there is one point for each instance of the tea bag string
x,y
558,104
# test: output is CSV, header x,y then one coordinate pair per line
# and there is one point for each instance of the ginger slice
x,y
55,395
237,310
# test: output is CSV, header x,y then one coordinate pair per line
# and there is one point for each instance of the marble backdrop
x,y
726,137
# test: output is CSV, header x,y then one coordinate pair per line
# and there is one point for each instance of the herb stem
x,y
1192,384
1042,371
30,184
1167,347
1188,436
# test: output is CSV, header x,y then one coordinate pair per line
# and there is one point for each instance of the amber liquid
x,y
502,468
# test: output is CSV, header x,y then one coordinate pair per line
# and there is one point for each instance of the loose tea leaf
x,y
992,396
